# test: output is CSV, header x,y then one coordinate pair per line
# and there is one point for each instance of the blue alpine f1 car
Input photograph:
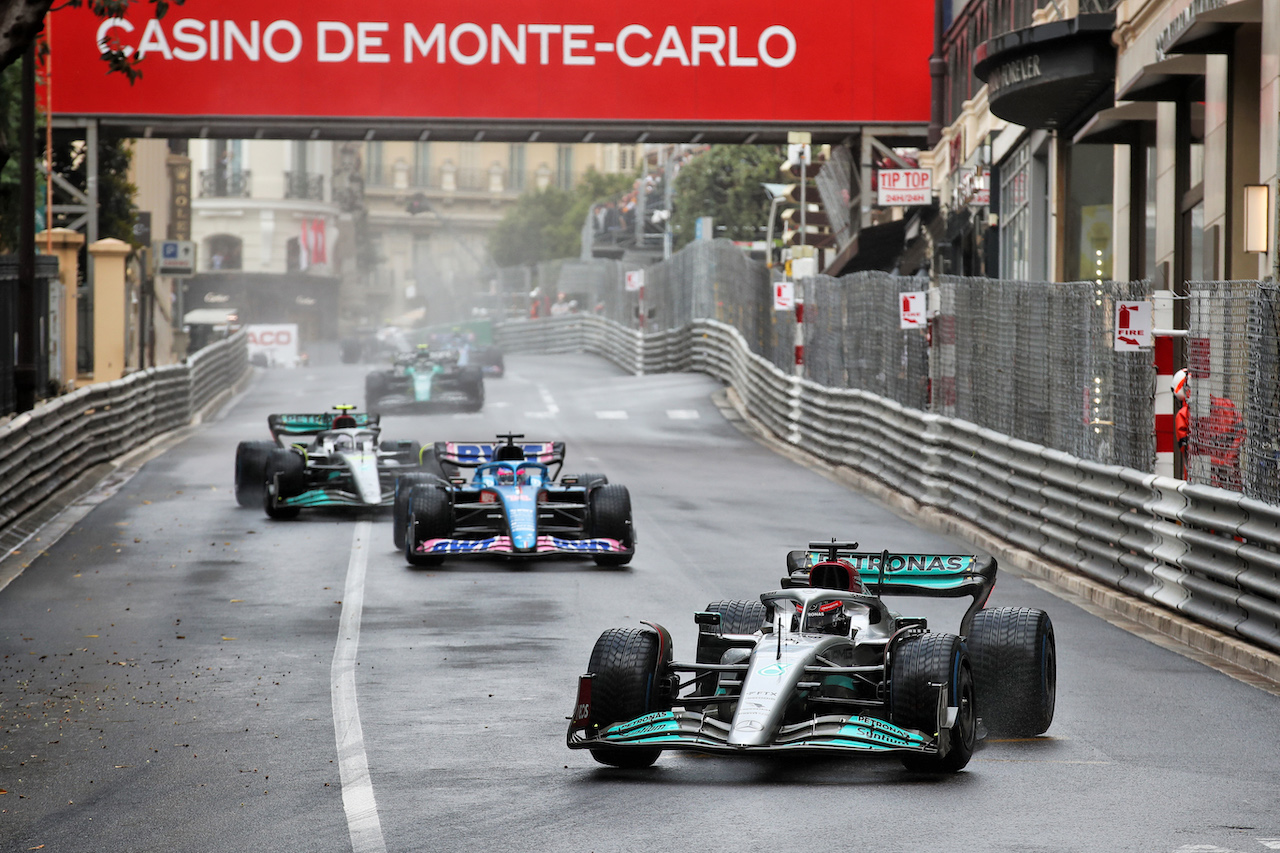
x,y
822,665
512,505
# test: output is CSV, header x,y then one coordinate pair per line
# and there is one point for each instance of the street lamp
x,y
778,193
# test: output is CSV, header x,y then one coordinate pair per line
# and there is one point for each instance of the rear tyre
x,y
739,617
375,388
285,478
919,663
400,505
430,517
1015,670
624,662
475,394
592,479
251,470
610,515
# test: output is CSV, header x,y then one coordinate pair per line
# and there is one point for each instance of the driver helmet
x,y
1180,384
505,477
828,617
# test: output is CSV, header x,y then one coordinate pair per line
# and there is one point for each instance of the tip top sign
x,y
904,187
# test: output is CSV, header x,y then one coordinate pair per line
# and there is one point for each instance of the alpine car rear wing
x,y
473,454
883,573
312,424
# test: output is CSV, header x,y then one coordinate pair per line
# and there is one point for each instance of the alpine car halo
x,y
512,506
823,665
425,379
321,460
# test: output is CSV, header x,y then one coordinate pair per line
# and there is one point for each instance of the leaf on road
x,y
228,638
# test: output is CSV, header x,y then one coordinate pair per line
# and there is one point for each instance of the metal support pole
x,y
91,190
24,373
804,183
668,192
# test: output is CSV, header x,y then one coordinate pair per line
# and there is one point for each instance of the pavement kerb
x,y
1227,649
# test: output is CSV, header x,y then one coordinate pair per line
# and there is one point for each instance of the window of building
x,y
564,167
225,252
1090,240
422,164
1015,214
374,173
516,166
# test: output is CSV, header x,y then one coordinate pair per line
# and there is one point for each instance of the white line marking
x,y
353,764
683,414
548,400
612,416
538,415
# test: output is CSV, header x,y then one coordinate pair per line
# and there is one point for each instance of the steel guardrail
x,y
46,448
1210,554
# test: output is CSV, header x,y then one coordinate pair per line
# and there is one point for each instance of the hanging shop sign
x,y
905,187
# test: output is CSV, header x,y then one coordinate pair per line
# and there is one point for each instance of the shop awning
x,y
1131,123
210,317
1166,80
1213,30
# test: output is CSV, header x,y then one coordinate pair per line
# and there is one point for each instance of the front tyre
x,y
625,663
400,503
251,470
610,513
285,478
430,517
1015,669
920,663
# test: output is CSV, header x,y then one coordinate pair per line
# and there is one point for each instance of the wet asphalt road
x,y
167,677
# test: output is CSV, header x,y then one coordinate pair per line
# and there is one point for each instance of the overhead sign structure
x,y
547,60
905,187
1133,326
175,257
911,310
784,295
634,280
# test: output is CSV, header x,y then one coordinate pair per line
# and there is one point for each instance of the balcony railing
x,y
309,185
216,183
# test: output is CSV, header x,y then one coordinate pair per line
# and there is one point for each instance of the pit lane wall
x,y
50,446
1209,554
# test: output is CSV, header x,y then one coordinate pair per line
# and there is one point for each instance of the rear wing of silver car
x,y
885,573
473,454
310,424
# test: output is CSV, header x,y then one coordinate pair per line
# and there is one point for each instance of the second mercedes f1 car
x,y
512,506
822,665
321,460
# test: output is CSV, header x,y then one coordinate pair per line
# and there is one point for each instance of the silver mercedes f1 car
x,y
823,665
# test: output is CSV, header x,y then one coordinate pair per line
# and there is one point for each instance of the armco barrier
x,y
46,448
1209,554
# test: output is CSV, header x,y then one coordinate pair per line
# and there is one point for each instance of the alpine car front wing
x,y
501,546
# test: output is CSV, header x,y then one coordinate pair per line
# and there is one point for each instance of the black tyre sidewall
x,y
625,664
250,471
1015,670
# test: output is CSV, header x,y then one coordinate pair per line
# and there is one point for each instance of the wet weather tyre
x,y
285,478
625,662
592,478
611,519
1015,670
430,517
251,470
400,503
918,664
739,617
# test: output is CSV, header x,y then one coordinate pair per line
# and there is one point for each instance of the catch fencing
x,y
1208,553
50,446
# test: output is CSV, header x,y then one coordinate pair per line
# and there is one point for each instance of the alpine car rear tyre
x,y
400,504
285,478
611,519
251,470
624,662
1015,670
430,517
592,478
920,663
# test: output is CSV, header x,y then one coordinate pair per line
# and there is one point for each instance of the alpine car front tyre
x,y
611,519
251,470
430,517
400,504
1015,669
919,665
624,662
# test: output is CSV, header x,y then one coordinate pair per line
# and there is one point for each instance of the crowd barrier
x,y
1210,554
46,448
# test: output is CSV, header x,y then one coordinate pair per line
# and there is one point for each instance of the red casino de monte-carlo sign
x,y
763,61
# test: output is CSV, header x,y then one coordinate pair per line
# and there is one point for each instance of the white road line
x,y
548,400
683,414
612,416
353,764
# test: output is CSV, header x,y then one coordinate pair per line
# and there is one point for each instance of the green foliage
x,y
547,224
725,184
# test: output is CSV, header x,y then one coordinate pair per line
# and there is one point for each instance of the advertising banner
x,y
904,187
274,345
553,60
